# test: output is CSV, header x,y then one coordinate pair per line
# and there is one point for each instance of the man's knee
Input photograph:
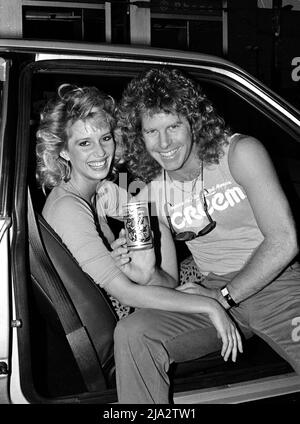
x,y
133,328
122,331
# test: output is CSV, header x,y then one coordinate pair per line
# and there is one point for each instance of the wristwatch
x,y
225,293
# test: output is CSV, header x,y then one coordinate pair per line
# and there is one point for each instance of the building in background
x,y
262,36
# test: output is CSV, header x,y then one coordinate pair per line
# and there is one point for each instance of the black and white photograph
x,y
149,209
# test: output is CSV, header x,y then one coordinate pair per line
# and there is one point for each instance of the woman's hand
x,y
227,331
137,265
225,327
119,251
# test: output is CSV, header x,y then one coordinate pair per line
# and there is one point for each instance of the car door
x,y
246,104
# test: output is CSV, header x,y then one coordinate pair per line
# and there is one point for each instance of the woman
x,y
75,149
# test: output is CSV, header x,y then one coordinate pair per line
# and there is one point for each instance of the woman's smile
x,y
98,165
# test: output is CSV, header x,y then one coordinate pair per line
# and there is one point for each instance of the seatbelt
x,y
45,274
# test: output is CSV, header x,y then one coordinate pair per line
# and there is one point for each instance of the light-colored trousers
x,y
149,340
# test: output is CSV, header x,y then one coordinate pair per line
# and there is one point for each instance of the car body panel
x,y
4,310
254,390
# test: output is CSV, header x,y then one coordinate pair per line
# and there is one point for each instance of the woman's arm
x,y
163,298
110,201
165,250
140,265
73,220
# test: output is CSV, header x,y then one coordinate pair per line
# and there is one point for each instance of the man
x,y
212,190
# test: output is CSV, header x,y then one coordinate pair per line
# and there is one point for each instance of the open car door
x,y
5,223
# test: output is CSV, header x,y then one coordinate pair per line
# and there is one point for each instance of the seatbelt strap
x,y
45,274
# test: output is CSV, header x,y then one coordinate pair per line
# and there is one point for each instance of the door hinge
x,y
3,368
16,323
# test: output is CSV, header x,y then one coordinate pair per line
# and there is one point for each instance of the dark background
x,y
263,35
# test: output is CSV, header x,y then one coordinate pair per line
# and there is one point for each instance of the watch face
x,y
224,291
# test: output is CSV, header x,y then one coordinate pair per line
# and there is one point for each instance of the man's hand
x,y
194,288
137,265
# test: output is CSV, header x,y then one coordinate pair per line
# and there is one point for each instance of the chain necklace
x,y
194,182
182,184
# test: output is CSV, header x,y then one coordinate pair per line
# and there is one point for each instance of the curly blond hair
x,y
71,104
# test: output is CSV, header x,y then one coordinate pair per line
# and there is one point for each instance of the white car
x,y
47,307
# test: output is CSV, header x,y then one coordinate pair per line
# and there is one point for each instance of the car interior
x,y
67,359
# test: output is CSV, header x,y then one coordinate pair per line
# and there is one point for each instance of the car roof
x,y
94,49
53,49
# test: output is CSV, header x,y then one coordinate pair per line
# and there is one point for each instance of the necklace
x,y
185,185
183,189
92,203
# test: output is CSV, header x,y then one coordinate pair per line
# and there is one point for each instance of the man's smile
x,y
170,154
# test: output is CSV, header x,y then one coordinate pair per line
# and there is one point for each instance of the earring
x,y
64,156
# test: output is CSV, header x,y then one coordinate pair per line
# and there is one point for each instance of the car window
x,y
246,118
239,110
